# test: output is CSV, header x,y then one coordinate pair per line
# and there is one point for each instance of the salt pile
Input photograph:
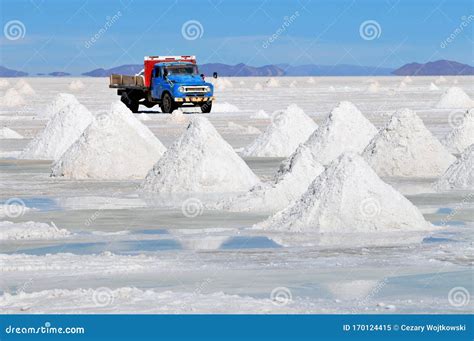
x,y
453,98
344,130
4,83
12,98
406,148
433,87
222,83
460,175
440,80
292,179
402,85
62,130
407,79
240,129
373,87
76,85
115,145
258,86
348,197
261,114
311,80
224,107
287,130
24,87
177,116
331,89
7,133
462,136
60,102
200,161
293,84
273,83
30,230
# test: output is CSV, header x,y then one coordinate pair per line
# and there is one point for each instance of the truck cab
x,y
169,81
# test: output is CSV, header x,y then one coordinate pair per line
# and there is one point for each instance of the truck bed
x,y
126,82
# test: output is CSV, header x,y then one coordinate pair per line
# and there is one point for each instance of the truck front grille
x,y
194,89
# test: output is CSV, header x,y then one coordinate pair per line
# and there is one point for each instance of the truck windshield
x,y
182,70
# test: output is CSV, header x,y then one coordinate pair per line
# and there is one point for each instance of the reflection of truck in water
x,y
169,81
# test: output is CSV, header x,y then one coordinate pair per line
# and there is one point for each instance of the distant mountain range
x,y
440,67
437,68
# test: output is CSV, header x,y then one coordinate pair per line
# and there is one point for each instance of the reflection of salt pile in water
x,y
453,98
345,129
462,136
30,230
60,102
273,83
221,83
12,98
433,87
348,197
224,107
4,83
373,87
258,86
261,114
65,127
293,178
405,147
287,130
200,161
24,87
7,133
114,146
460,174
76,85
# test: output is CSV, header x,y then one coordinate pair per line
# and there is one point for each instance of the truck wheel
x,y
130,103
167,104
133,106
206,107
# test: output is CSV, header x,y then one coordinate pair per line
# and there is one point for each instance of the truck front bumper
x,y
193,99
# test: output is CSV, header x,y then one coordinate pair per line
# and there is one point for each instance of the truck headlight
x,y
207,88
181,89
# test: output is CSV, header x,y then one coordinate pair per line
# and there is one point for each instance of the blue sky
x,y
59,35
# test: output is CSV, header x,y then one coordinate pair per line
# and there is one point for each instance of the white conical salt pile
x,y
460,175
12,98
4,83
177,116
258,86
241,83
286,131
61,101
273,83
402,85
433,87
455,98
293,84
373,87
407,79
261,114
344,130
331,89
440,80
7,133
406,148
224,107
62,130
76,84
24,87
348,197
200,161
115,145
311,80
222,83
293,178
462,135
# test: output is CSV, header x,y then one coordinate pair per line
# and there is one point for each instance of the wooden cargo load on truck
x,y
126,82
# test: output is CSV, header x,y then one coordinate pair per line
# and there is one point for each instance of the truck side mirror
x,y
214,75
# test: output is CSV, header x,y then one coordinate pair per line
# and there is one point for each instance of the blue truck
x,y
168,81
